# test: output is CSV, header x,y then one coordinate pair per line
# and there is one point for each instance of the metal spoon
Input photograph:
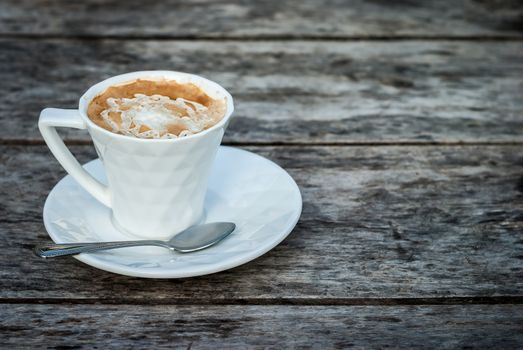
x,y
190,240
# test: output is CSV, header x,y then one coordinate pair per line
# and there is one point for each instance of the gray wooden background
x,y
401,121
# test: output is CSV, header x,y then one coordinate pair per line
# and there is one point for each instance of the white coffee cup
x,y
156,187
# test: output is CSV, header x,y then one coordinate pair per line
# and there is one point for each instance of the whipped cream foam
x,y
156,116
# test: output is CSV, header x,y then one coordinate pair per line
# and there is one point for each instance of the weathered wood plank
x,y
378,222
306,92
267,327
269,18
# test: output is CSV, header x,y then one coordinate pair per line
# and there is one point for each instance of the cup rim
x,y
99,87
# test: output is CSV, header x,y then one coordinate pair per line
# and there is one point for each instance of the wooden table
x,y
402,123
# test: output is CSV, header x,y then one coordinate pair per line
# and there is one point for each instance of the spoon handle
x,y
55,250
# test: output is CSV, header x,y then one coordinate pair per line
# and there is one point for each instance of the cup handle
x,y
50,118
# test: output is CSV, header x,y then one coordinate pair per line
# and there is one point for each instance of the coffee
x,y
155,109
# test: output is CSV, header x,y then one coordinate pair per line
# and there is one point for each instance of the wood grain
x,y
377,222
386,232
267,327
305,92
269,19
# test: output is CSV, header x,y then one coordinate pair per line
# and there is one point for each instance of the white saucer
x,y
244,188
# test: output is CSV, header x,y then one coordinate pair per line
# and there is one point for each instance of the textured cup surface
x,y
157,186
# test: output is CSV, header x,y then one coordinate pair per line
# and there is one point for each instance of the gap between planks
x,y
35,142
515,300
262,37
